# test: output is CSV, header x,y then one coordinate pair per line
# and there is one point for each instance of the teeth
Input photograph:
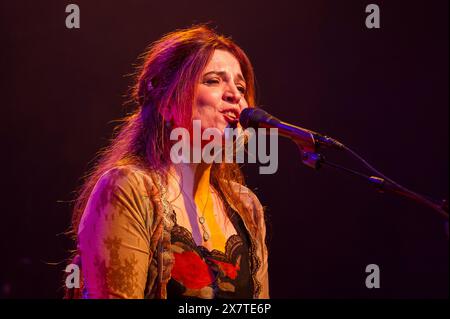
x,y
230,114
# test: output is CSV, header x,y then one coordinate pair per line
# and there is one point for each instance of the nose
x,y
232,95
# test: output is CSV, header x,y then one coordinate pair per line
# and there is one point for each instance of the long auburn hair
x,y
166,80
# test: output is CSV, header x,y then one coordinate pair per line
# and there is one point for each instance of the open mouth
x,y
231,116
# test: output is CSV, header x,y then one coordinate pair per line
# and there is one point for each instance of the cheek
x,y
206,103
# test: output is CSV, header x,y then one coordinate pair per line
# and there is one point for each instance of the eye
x,y
212,81
242,89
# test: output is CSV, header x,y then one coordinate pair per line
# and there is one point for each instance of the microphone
x,y
258,118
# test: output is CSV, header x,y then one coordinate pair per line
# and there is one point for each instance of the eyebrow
x,y
223,73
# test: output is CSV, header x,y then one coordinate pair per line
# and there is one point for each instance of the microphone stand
x,y
312,158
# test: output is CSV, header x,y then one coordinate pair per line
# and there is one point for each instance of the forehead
x,y
222,60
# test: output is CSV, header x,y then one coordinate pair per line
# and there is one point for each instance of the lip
x,y
231,119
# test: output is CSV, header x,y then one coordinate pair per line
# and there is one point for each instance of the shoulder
x,y
121,195
247,196
123,174
250,201
127,179
126,189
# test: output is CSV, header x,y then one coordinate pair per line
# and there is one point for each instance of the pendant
x,y
201,219
205,236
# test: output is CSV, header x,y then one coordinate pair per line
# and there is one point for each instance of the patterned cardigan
x,y
123,247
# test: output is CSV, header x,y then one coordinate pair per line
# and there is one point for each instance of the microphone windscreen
x,y
252,116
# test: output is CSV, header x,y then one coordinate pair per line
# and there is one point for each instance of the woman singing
x,y
146,227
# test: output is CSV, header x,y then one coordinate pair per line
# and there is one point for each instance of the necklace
x,y
201,219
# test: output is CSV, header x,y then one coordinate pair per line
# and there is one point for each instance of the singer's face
x,y
220,93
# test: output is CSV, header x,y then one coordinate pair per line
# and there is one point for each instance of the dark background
x,y
383,92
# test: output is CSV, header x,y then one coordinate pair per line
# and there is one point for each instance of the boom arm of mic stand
x,y
310,157
385,186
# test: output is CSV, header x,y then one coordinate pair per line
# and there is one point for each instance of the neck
x,y
194,179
